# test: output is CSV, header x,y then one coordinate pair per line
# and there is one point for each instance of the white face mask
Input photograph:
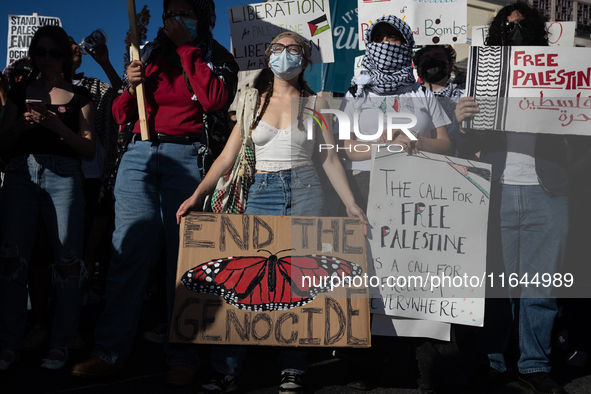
x,y
285,65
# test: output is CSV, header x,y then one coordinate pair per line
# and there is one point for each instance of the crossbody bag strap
x,y
247,106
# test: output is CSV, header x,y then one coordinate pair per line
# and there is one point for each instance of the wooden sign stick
x,y
135,55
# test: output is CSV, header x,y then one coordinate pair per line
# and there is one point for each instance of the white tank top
x,y
282,149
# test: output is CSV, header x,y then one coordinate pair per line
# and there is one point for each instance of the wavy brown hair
x,y
62,42
534,25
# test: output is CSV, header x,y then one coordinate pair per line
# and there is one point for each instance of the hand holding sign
x,y
135,75
139,88
400,138
466,108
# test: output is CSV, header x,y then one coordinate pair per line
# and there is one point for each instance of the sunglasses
x,y
293,48
510,26
167,15
389,38
41,52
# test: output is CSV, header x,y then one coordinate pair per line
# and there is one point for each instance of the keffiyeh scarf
x,y
451,90
389,65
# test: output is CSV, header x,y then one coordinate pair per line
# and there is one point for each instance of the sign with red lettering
x,y
271,280
428,219
432,21
531,89
253,27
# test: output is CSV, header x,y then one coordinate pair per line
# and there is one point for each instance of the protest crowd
x,y
90,210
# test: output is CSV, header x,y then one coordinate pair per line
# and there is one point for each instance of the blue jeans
x,y
299,193
50,186
527,234
153,181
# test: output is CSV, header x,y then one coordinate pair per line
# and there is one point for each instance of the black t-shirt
x,y
41,140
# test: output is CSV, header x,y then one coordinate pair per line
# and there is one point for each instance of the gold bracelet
x,y
62,138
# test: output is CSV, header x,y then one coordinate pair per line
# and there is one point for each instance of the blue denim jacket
x,y
550,156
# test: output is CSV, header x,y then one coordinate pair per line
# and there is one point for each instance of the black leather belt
x,y
173,139
177,139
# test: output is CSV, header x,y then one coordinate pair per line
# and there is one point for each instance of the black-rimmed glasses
x,y
294,49
41,52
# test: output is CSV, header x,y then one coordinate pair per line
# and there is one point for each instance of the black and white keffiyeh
x,y
389,65
451,90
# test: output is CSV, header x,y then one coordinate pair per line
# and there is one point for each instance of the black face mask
x,y
514,37
433,70
519,36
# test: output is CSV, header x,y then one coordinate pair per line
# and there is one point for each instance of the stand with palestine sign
x,y
21,29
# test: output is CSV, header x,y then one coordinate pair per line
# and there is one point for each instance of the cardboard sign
x,y
431,21
253,27
428,215
561,34
531,89
271,280
21,29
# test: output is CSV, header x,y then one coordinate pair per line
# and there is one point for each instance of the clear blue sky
x,y
80,17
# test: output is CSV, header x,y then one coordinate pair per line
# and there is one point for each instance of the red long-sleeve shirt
x,y
170,109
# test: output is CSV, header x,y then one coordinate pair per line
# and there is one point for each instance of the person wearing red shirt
x,y
186,75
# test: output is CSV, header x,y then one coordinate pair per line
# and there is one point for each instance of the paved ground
x,y
146,370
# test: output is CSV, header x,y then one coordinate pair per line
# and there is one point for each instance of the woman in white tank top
x,y
282,149
285,181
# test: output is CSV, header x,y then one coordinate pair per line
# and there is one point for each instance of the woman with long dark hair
x,y
285,182
528,222
47,126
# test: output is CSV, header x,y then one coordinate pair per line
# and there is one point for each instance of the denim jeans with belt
x,y
153,181
294,192
527,235
50,186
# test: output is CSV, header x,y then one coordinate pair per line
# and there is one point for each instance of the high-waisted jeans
x,y
50,186
294,192
153,181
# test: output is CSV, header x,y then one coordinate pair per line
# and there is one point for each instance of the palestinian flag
x,y
318,25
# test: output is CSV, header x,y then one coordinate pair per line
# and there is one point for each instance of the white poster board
x,y
559,34
391,326
21,29
428,215
531,89
431,22
358,66
253,27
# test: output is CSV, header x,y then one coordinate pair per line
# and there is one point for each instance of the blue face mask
x,y
190,24
285,65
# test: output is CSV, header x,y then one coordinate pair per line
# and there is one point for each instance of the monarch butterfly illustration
x,y
270,283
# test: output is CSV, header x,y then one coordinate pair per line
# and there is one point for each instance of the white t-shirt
x,y
422,104
520,166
